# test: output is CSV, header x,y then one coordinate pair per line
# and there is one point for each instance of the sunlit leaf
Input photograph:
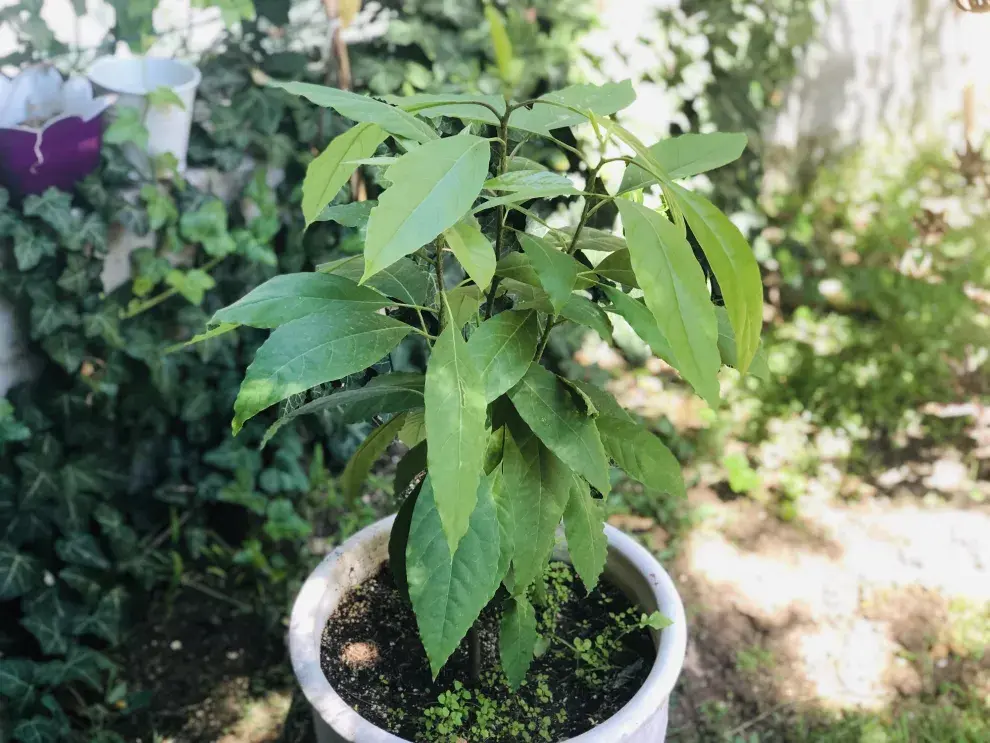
x,y
328,173
687,155
473,250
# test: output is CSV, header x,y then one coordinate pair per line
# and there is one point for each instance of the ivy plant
x,y
503,449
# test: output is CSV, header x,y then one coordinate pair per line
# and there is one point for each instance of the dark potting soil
x,y
373,657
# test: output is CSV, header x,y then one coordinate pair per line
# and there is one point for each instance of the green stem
x,y
500,216
438,268
167,294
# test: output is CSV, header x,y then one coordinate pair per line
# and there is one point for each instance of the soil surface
x,y
374,659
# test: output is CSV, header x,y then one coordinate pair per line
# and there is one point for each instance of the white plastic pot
x,y
630,567
132,78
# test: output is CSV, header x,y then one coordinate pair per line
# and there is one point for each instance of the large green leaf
x,y
455,430
734,266
536,486
313,350
433,187
603,100
406,280
359,465
474,251
676,292
548,408
534,183
584,520
727,347
585,312
19,573
503,348
517,639
449,590
617,267
558,271
363,109
289,296
328,173
352,214
455,105
398,541
687,155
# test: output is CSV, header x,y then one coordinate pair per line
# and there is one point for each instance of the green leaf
x,y
592,239
603,100
508,70
19,573
558,272
359,465
413,431
283,522
54,208
727,347
448,591
78,275
164,97
687,155
398,541
584,520
409,468
38,729
290,296
328,173
363,109
389,393
676,293
548,409
642,322
618,267
91,232
734,266
354,214
106,620
207,225
473,250
314,350
455,431
17,679
518,267
455,105
30,247
82,549
516,197
67,349
464,302
405,280
503,348
516,162
432,188
536,488
517,640
127,126
585,312
192,284
535,183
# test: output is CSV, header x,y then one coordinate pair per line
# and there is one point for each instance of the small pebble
x,y
176,645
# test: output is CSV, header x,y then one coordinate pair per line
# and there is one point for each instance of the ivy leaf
x,y
585,312
91,232
17,681
676,293
54,208
687,155
164,97
192,284
359,465
328,173
78,274
548,409
617,267
82,549
283,522
390,393
162,210
727,347
503,348
354,214
82,664
432,188
473,250
455,429
207,225
47,630
106,620
558,271
288,297
449,590
49,315
127,126
635,449
38,483
30,247
517,640
734,266
536,488
66,349
314,350
363,109
603,100
584,520
38,729
19,573
405,280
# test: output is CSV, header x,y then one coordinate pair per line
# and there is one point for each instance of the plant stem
x,y
500,214
438,268
168,293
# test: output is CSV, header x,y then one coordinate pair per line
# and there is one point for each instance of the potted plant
x,y
459,618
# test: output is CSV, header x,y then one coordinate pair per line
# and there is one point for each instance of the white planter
x,y
630,567
132,78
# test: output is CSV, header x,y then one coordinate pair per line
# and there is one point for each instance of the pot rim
x,y
671,649
105,64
